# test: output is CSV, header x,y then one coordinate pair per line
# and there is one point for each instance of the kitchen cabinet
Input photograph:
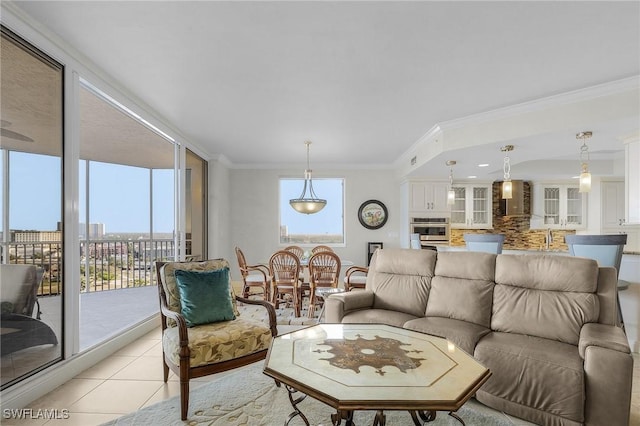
x,y
472,208
613,210
561,206
428,197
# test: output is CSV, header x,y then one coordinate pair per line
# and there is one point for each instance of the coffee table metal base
x,y
420,418
294,403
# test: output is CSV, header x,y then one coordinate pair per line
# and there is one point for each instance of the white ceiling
x,y
363,80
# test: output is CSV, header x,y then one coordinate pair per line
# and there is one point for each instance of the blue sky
x,y
120,197
120,200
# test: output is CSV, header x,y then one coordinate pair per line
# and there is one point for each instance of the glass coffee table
x,y
376,367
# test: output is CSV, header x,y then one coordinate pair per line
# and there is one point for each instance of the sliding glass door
x,y
127,218
132,196
31,244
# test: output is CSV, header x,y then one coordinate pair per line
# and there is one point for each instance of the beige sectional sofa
x,y
544,325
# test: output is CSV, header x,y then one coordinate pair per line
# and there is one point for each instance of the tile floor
x,y
132,378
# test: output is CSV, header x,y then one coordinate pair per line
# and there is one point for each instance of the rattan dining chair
x,y
297,250
284,268
355,277
324,271
253,276
318,249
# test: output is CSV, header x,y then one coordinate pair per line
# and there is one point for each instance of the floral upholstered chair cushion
x,y
220,341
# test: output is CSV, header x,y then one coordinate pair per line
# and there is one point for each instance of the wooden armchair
x,y
253,276
193,345
355,277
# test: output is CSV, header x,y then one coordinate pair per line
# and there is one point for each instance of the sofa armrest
x,y
608,371
604,336
340,304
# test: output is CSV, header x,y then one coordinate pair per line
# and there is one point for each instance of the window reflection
x,y
31,180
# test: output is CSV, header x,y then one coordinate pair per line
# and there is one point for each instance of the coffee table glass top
x,y
371,365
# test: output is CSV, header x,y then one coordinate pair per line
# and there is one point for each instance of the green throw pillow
x,y
204,296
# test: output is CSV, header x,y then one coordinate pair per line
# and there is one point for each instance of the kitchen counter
x,y
526,251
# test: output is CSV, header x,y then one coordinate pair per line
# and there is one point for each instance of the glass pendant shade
x,y
451,194
307,206
585,179
451,197
308,202
585,176
507,190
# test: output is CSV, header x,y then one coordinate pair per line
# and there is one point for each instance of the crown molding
x,y
575,96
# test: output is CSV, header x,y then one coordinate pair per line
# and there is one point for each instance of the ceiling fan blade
x,y
14,135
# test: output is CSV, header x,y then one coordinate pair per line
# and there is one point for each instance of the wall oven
x,y
430,230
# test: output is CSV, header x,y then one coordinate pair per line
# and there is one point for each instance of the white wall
x,y
219,213
255,217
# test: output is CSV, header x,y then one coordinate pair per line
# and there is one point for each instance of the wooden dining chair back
x,y
202,330
318,249
324,271
253,276
297,250
284,268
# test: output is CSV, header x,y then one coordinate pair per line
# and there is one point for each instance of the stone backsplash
x,y
518,236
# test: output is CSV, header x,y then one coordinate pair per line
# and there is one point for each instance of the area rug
x,y
248,397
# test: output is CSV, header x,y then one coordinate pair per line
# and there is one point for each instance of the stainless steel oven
x,y
431,230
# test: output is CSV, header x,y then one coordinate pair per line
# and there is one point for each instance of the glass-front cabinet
x,y
561,206
472,207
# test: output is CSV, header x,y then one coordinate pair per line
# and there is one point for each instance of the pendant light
x,y
451,194
308,204
585,176
507,188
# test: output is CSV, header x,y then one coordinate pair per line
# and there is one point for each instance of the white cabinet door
x,y
472,207
439,197
561,206
612,196
428,197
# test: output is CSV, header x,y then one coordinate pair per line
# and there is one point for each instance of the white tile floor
x,y
131,379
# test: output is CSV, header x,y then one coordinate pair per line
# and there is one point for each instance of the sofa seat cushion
x,y
217,342
535,372
464,335
377,316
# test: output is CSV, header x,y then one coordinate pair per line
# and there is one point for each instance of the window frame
x,y
284,202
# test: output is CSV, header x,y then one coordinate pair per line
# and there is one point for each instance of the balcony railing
x,y
104,264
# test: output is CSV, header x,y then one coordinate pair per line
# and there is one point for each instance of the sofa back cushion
x,y
545,295
462,287
401,278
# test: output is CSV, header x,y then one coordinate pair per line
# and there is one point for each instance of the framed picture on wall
x,y
371,248
372,214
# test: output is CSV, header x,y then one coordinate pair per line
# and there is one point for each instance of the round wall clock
x,y
372,214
